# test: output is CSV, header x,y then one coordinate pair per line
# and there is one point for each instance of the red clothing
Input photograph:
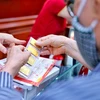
x,y
48,22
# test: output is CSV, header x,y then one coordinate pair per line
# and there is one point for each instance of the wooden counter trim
x,y
11,23
18,18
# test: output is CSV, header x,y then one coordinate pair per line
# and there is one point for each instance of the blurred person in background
x,y
52,19
85,49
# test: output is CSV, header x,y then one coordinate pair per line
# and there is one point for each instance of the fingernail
x,y
23,41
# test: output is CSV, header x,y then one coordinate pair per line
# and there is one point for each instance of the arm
x,y
72,50
65,14
12,66
6,87
60,9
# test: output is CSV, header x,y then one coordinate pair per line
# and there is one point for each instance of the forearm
x,y
72,50
64,14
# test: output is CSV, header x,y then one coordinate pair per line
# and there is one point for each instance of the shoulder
x,y
53,6
55,2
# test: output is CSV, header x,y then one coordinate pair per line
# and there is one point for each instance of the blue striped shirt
x,y
7,92
6,80
80,88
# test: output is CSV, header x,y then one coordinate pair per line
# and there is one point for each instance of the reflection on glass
x,y
65,75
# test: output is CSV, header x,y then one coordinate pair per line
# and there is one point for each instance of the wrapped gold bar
x,y
25,70
33,41
33,50
31,60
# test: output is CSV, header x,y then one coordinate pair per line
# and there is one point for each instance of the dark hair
x,y
70,2
70,10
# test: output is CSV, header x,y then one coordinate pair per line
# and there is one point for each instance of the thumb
x,y
3,49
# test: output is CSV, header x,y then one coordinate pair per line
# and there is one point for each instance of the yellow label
x,y
33,41
33,50
31,61
25,70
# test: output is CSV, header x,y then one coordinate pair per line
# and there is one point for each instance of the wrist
x,y
66,44
63,42
8,68
8,71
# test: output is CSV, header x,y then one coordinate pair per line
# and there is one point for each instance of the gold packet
x,y
33,50
32,42
31,60
25,70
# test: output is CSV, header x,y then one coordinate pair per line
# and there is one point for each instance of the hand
x,y
52,44
16,58
9,40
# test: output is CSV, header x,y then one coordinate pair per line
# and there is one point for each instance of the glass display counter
x,y
30,92
65,73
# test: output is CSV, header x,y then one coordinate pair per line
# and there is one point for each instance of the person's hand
x,y
52,44
9,40
16,58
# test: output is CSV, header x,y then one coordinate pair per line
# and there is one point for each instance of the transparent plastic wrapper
x,y
26,70
36,68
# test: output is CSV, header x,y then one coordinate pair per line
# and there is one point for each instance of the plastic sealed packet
x,y
26,70
31,61
33,50
32,42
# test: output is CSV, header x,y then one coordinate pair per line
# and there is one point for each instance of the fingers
x,y
27,54
45,52
46,37
10,39
17,41
21,47
3,49
44,41
16,58
12,44
18,49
